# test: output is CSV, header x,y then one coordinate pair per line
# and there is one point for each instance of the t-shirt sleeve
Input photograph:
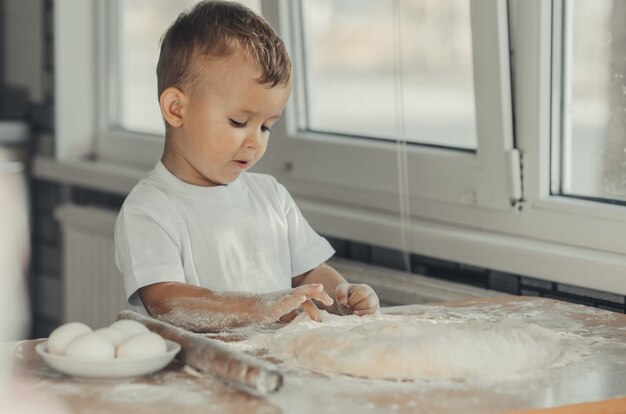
x,y
307,248
145,252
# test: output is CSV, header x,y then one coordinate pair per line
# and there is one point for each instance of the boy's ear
x,y
172,102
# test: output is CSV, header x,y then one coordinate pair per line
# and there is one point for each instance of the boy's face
x,y
226,122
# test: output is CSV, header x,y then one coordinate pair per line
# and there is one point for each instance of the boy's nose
x,y
253,139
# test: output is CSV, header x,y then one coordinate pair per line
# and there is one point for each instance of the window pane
x,y
593,150
133,101
357,82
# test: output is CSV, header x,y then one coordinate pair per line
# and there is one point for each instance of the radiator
x,y
93,290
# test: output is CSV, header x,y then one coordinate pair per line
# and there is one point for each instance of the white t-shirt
x,y
247,236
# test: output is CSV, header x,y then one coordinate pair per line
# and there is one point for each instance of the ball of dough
x,y
92,346
142,345
61,337
116,336
129,327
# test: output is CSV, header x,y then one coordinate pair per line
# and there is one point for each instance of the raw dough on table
x,y
403,347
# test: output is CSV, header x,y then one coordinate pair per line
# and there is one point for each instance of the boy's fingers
x,y
342,292
369,311
289,316
358,293
369,301
323,297
291,302
314,313
308,290
315,291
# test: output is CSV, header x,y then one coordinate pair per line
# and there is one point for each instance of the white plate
x,y
112,368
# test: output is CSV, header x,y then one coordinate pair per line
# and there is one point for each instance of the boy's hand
x,y
273,306
357,299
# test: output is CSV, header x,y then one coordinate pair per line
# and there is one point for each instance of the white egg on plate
x,y
92,346
61,337
129,327
115,335
142,345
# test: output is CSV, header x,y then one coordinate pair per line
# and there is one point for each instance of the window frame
x,y
114,144
477,177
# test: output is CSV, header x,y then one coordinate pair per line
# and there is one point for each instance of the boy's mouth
x,y
242,163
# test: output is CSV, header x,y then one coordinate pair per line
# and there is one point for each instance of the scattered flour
x,y
409,348
181,394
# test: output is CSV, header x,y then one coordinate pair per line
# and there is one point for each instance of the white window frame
x,y
81,67
555,238
464,177
117,144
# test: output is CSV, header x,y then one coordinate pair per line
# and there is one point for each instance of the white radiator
x,y
92,286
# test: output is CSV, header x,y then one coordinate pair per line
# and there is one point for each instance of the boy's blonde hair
x,y
219,29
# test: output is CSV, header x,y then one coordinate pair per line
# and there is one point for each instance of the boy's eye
x,y
237,124
266,129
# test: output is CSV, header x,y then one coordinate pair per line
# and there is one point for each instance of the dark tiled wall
x,y
477,276
46,288
46,243
46,284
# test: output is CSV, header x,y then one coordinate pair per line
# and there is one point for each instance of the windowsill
x,y
95,175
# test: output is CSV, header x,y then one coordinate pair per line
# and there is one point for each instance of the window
x,y
492,206
590,147
135,28
407,80
411,78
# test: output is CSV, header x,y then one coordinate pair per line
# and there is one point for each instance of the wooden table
x,y
598,381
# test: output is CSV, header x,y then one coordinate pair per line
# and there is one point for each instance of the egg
x,y
92,346
61,337
116,336
142,345
129,327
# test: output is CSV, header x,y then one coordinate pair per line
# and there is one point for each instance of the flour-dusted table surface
x,y
597,378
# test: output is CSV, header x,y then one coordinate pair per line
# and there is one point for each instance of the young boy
x,y
201,242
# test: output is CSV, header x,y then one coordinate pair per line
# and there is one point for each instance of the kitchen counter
x,y
597,377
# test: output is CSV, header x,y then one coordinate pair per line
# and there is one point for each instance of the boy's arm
x,y
349,298
203,310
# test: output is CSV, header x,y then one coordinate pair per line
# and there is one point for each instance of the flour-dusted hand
x,y
357,299
273,306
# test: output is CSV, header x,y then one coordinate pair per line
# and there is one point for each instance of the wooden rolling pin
x,y
236,368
